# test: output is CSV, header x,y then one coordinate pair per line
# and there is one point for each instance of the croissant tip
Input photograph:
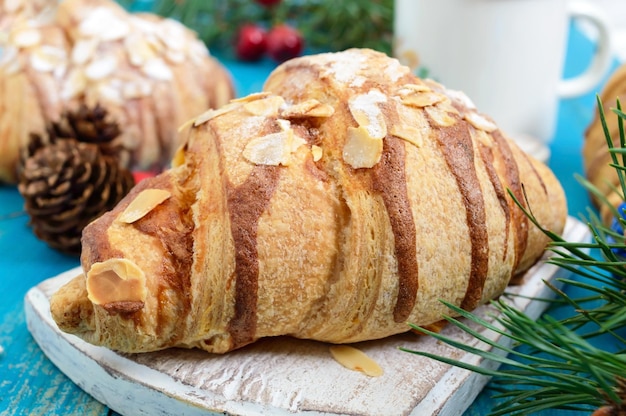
x,y
71,309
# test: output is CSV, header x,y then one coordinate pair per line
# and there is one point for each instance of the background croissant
x,y
151,74
346,200
596,159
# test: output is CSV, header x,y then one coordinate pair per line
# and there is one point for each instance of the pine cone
x,y
72,177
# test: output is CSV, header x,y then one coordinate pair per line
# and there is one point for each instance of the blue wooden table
x,y
31,385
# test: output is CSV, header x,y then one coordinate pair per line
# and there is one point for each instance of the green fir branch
x,y
326,25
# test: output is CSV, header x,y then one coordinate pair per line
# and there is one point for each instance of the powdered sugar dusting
x,y
365,110
345,67
460,97
395,70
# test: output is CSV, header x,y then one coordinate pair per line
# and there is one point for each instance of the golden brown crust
x,y
289,235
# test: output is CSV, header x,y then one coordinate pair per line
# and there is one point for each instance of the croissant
x,y
151,74
345,200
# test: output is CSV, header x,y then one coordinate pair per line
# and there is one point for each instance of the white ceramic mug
x,y
506,55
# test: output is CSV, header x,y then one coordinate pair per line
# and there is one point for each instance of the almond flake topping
x,y
84,50
47,58
251,97
138,49
74,84
179,157
317,152
267,107
26,38
422,99
361,149
408,89
101,68
144,202
440,116
308,108
116,280
9,61
210,114
136,89
275,148
357,360
104,24
480,122
409,134
365,110
172,34
11,6
157,69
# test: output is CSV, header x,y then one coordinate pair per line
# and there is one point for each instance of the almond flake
x,y
357,360
482,137
197,51
440,116
480,122
461,98
267,107
116,280
138,49
136,89
144,202
143,25
211,114
365,110
175,56
26,38
8,55
251,97
118,29
110,92
74,84
12,67
99,21
172,34
179,157
84,50
317,152
47,58
422,99
11,6
361,149
101,68
308,108
409,134
157,69
413,88
272,149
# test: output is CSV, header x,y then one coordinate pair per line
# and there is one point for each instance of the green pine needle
x,y
326,25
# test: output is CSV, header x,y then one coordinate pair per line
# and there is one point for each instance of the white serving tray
x,y
277,376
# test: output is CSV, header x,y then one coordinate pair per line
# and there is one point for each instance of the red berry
x,y
251,43
268,3
140,175
284,42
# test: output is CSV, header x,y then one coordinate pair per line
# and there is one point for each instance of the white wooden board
x,y
278,376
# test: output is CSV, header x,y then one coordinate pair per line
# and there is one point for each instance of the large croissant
x,y
345,201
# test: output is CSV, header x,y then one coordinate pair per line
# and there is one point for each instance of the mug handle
x,y
603,58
